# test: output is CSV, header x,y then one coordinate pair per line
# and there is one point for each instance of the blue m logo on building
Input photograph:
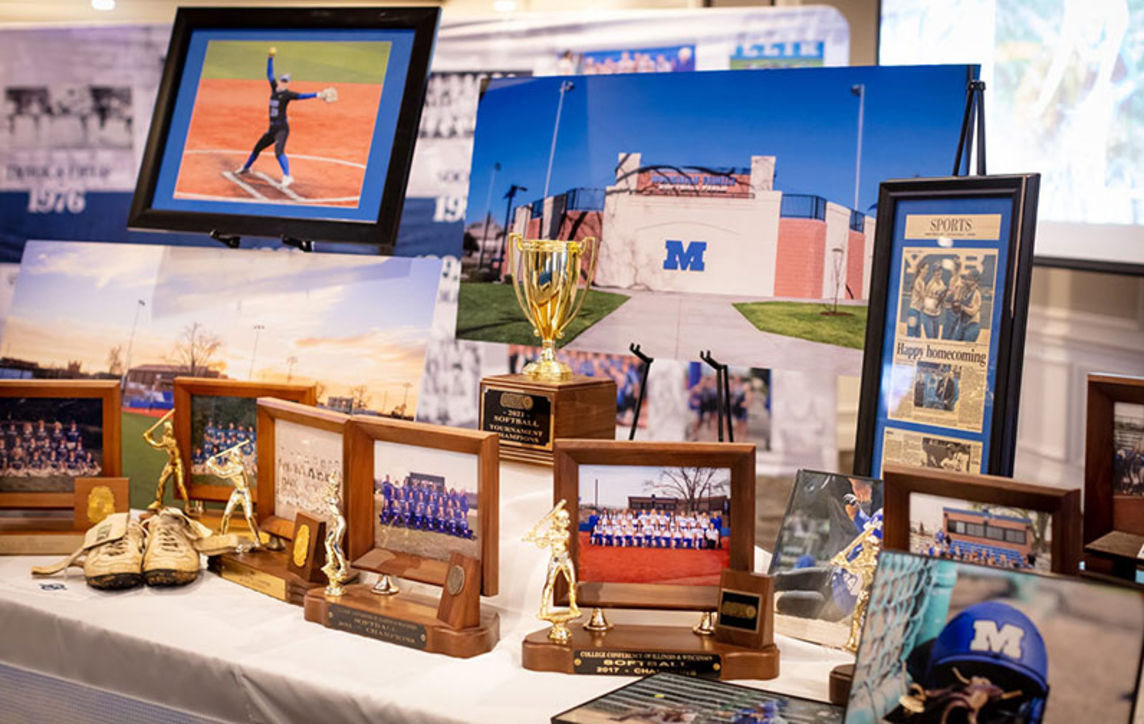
x,y
685,259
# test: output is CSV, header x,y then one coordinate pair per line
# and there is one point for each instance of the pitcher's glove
x,y
329,95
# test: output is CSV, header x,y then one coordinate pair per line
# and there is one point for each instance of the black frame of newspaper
x,y
1012,294
382,232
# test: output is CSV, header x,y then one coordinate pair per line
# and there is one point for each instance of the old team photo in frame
x,y
982,519
288,122
214,415
419,493
299,447
53,433
656,524
941,375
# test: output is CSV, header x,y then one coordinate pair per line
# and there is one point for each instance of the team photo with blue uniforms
x,y
656,529
424,506
46,448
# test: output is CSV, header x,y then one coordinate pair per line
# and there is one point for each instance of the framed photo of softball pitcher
x,y
290,122
941,375
215,415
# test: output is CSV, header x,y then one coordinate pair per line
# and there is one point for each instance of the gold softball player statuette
x,y
860,559
552,532
336,568
228,466
174,466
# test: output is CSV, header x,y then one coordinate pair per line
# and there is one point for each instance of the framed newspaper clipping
x,y
941,376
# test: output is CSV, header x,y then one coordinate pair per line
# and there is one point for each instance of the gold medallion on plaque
x,y
455,582
100,504
301,545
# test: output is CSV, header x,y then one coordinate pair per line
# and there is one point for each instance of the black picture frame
x,y
1012,294
382,232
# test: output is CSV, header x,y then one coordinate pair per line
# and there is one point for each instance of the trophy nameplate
x,y
530,414
376,626
638,650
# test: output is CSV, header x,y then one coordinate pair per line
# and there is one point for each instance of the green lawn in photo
x,y
140,462
490,313
304,60
806,320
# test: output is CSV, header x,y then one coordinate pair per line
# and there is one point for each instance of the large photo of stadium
x,y
991,535
281,121
947,641
647,524
756,240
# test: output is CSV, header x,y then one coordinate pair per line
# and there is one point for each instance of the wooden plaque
x,y
97,498
306,549
530,415
746,613
264,571
460,605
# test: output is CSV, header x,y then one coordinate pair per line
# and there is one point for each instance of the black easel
x,y
722,392
635,348
233,241
974,99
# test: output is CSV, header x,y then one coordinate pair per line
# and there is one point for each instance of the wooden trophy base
x,y
841,677
16,540
529,415
404,619
635,650
263,571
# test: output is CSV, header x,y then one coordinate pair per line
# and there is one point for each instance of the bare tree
x,y
360,397
690,484
115,361
195,349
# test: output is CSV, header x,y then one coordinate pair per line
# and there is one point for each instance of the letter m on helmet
x,y
990,639
689,259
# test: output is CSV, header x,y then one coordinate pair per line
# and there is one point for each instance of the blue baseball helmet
x,y
996,641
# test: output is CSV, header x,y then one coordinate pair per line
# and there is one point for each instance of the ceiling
x,y
163,11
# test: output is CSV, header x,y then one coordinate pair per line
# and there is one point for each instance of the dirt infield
x,y
328,146
651,565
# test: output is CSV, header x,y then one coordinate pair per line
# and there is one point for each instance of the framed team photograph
x,y
944,344
981,519
946,640
214,415
418,493
53,433
826,517
1114,475
286,122
656,524
299,446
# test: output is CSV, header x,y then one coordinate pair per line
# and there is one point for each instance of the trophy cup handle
x,y
595,243
514,240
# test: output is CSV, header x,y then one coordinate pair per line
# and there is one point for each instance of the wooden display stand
x,y
636,650
529,415
263,571
455,625
742,646
92,500
841,677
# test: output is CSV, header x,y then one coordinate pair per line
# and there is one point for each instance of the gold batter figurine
x,y
552,533
336,568
232,470
860,559
174,466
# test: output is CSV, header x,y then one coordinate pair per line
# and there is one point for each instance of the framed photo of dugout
x,y
941,375
943,636
52,434
982,519
298,447
1114,475
417,494
213,416
296,123
655,524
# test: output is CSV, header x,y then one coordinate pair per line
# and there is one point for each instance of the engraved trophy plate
x,y
740,610
521,419
645,663
244,575
376,626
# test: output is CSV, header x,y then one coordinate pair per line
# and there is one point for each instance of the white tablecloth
x,y
219,650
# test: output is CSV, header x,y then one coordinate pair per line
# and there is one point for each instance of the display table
x,y
221,651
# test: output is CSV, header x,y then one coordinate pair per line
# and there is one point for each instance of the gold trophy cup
x,y
546,279
546,401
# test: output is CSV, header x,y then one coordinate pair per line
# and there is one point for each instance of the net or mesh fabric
x,y
894,619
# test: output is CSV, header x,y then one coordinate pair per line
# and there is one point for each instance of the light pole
x,y
488,215
291,361
254,352
565,86
139,304
860,91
